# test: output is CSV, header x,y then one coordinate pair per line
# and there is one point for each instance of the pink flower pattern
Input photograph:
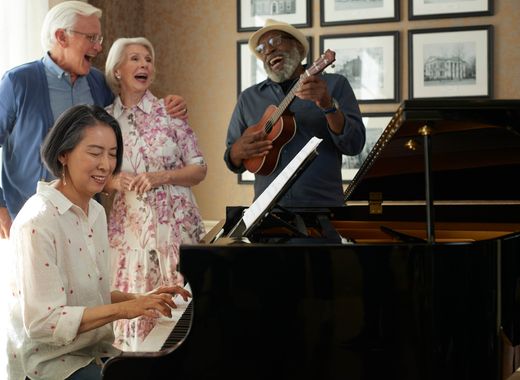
x,y
145,231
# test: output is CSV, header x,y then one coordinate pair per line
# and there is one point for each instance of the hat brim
x,y
289,29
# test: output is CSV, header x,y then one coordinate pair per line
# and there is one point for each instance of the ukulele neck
x,y
288,99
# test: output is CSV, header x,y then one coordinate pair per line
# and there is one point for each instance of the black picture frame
x,y
375,124
370,62
251,14
358,12
435,9
451,62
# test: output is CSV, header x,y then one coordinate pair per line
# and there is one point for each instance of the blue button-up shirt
x,y
63,94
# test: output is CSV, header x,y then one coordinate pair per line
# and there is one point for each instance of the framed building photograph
x,y
375,124
251,14
344,12
428,9
451,62
250,69
369,61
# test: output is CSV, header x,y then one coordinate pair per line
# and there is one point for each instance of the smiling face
x,y
75,52
136,71
282,61
89,165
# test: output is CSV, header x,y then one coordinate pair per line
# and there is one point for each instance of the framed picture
x,y
369,61
343,12
424,9
250,69
251,14
451,62
375,124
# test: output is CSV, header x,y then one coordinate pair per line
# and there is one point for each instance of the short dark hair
x,y
67,133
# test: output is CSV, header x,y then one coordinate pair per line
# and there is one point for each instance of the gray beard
x,y
292,60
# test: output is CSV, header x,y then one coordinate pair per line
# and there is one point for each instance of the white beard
x,y
291,61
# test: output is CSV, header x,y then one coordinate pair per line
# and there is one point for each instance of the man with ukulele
x,y
324,106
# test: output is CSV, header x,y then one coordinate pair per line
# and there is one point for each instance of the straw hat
x,y
271,24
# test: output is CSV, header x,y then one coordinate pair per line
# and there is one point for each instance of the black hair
x,y
67,132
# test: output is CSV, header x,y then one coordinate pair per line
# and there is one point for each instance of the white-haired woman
x,y
154,209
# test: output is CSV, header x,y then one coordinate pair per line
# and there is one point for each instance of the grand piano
x,y
416,277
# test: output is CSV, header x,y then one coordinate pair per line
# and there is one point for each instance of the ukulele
x,y
278,122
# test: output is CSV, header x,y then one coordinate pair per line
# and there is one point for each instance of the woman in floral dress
x,y
154,209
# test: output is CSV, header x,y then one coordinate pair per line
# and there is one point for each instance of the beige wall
x,y
195,42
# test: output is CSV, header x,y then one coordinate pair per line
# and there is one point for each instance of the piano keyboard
x,y
169,331
180,330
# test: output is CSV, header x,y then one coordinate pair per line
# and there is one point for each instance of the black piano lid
x,y
475,153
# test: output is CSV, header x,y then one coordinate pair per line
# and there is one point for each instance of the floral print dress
x,y
145,231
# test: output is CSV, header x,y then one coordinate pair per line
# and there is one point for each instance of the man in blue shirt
x,y
33,95
325,106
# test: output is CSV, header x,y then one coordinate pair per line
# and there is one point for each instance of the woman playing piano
x,y
61,307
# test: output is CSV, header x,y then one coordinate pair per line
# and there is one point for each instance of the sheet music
x,y
156,338
260,205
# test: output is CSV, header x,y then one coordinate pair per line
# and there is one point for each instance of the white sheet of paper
x,y
260,205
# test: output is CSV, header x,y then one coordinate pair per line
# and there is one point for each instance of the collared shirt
x,y
61,267
320,184
63,94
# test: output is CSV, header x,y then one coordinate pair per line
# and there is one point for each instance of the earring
x,y
63,177
118,76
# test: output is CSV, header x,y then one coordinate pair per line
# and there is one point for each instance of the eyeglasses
x,y
91,37
272,42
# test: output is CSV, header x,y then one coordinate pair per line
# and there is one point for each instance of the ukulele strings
x,y
283,105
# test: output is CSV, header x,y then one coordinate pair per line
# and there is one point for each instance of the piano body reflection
x,y
415,278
